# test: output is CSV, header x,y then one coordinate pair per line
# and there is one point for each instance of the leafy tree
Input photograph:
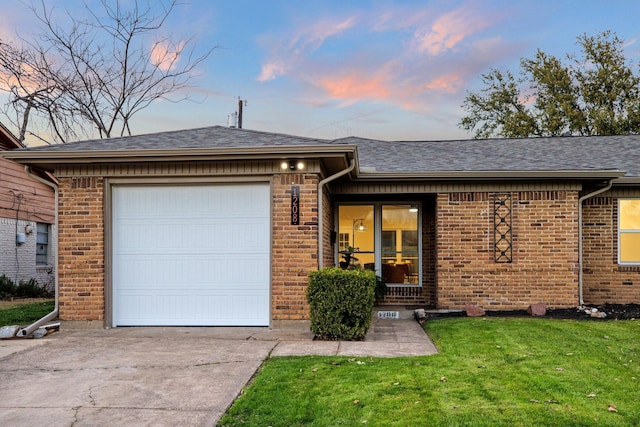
x,y
88,76
594,93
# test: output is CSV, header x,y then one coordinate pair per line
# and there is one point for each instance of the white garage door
x,y
191,255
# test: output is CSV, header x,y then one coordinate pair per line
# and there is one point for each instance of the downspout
x,y
321,184
28,330
580,200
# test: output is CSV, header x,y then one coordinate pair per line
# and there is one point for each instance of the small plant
x,y
30,289
7,287
381,288
25,289
348,258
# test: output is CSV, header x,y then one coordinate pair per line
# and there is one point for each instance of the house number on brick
x,y
295,205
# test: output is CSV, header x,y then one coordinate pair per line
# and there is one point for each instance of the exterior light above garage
x,y
292,165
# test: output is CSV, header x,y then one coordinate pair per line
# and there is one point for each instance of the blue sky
x,y
394,70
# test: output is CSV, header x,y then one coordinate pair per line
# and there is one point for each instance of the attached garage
x,y
190,255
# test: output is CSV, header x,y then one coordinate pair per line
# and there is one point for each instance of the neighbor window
x,y
384,238
42,243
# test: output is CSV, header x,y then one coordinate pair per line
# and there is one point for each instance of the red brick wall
x,y
545,260
81,253
328,225
603,279
295,247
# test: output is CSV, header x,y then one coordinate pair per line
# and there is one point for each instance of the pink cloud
x,y
165,55
449,83
292,49
355,86
395,73
314,36
450,29
271,70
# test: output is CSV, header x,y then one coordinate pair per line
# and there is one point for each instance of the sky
x,y
392,70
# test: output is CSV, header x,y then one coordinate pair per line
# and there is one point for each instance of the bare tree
x,y
88,77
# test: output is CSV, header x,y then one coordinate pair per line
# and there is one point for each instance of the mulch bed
x,y
613,312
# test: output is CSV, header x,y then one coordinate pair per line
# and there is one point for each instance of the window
x,y
42,243
629,231
384,238
345,241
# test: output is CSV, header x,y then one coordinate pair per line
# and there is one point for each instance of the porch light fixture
x,y
292,165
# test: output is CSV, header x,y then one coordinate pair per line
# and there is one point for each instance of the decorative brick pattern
x,y
294,247
545,258
604,281
81,255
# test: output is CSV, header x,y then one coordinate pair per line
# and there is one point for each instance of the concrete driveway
x,y
127,376
162,376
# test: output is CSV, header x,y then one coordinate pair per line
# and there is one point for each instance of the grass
x,y
24,312
490,372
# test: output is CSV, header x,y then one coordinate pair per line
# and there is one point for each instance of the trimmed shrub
x,y
341,302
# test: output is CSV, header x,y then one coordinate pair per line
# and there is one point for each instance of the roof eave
x,y
492,175
627,181
47,160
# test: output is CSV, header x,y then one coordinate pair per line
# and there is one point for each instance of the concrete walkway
x,y
162,376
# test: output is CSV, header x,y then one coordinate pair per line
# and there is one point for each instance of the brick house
x,y
220,226
27,226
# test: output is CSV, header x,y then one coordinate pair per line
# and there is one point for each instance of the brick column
x,y
294,247
81,256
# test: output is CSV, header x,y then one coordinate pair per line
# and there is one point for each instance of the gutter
x,y
321,184
28,330
492,175
580,201
46,159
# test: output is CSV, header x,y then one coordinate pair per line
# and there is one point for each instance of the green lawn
x,y
490,372
24,313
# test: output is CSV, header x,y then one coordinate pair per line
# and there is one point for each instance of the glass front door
x,y
381,237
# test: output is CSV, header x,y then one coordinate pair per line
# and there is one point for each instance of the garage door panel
x,y
178,309
167,271
198,236
194,255
196,201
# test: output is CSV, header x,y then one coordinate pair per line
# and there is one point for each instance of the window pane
x,y
356,221
630,247
42,243
630,214
399,244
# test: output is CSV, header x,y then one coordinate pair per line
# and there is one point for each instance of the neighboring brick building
x,y
27,221
220,226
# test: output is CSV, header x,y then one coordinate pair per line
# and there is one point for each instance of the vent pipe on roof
x,y
232,120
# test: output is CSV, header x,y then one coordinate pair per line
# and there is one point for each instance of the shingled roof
x,y
573,153
524,154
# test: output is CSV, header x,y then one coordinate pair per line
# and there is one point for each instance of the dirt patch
x,y
4,304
